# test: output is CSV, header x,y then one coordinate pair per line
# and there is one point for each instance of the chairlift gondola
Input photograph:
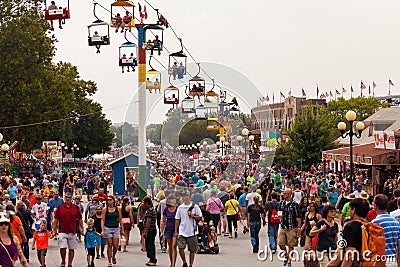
x,y
99,32
212,124
201,113
153,78
128,55
122,7
171,95
54,12
188,105
177,63
157,43
234,114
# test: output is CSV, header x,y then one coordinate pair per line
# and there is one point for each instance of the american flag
x,y
391,83
267,98
282,95
344,90
351,89
323,96
374,84
369,89
337,92
362,86
303,92
331,94
290,92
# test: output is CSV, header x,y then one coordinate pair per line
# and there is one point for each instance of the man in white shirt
x,y
396,213
39,212
250,196
186,217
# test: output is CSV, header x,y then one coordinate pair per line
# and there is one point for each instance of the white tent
x,y
102,156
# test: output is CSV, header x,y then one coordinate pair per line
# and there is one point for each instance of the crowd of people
x,y
193,210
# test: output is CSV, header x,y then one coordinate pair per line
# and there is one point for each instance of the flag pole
x,y
389,86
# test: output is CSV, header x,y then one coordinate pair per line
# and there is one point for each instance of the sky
x,y
275,45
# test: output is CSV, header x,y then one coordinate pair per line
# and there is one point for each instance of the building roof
x,y
368,150
385,119
127,155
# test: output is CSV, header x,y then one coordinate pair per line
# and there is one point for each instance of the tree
x,y
43,100
311,134
153,133
364,107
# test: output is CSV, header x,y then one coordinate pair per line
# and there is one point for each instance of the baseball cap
x,y
4,217
357,186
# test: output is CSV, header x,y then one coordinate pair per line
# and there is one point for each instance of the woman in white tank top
x,y
297,195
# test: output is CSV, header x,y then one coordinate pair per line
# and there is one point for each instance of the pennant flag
x,y
221,94
344,90
351,89
282,95
362,86
303,92
390,82
369,89
374,84
267,98
337,92
331,94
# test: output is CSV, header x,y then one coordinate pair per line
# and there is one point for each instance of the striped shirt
x,y
392,231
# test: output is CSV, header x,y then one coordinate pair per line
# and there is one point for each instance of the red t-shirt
x,y
371,215
67,218
102,197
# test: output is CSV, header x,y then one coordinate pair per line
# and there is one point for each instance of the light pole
x,y
351,117
239,139
245,133
61,148
45,149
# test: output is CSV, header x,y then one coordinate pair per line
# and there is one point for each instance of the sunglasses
x,y
68,197
110,199
4,223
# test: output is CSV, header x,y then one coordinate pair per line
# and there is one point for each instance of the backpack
x,y
373,244
274,219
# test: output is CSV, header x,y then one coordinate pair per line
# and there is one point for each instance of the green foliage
x,y
311,134
362,106
245,118
153,133
40,94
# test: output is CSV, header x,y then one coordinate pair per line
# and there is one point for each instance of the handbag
x,y
28,230
237,212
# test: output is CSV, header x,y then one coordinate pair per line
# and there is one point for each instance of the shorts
x,y
288,238
244,213
169,234
191,242
111,232
67,241
90,252
100,241
42,252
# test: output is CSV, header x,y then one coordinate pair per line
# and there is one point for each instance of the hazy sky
x,y
277,44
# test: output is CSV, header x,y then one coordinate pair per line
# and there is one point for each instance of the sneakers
x,y
164,250
273,251
184,264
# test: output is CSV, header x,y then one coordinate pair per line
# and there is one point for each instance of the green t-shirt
x,y
322,186
157,180
277,178
250,180
346,210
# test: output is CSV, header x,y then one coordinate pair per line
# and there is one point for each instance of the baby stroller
x,y
202,241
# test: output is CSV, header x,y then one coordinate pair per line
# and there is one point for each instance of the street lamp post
x,y
61,148
351,117
245,133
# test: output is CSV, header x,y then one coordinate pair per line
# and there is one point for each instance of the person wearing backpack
x,y
391,227
357,241
272,208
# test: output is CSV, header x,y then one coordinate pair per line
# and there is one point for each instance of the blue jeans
x,y
272,235
255,228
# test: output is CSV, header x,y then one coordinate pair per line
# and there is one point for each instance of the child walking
x,y
41,240
90,244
